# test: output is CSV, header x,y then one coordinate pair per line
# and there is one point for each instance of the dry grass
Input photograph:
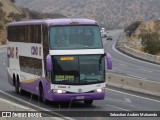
x,y
9,7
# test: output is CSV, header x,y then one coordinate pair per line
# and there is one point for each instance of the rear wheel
x,y
17,87
88,102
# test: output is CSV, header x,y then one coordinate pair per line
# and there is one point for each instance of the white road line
x,y
35,105
137,77
123,64
116,67
110,70
128,100
111,99
133,95
116,107
146,70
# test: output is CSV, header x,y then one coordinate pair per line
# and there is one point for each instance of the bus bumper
x,y
78,97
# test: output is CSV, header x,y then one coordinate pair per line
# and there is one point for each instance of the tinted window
x,y
28,33
31,65
78,69
75,37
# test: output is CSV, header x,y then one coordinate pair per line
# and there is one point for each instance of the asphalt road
x,y
115,100
128,66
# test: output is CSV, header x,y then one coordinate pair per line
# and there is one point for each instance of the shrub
x,y
132,27
151,42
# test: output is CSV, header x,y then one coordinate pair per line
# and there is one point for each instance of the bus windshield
x,y
85,69
75,37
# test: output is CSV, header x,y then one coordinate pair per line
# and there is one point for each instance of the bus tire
x,y
41,93
88,102
14,80
17,87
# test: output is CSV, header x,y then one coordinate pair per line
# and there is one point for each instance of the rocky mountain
x,y
8,12
108,13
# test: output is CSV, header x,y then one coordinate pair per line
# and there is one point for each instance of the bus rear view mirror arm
x,y
49,63
108,61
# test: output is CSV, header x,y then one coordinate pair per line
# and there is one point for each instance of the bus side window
x,y
38,34
31,65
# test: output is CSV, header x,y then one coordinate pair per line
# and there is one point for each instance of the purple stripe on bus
x,y
74,97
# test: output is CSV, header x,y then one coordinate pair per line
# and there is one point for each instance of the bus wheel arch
x,y
41,94
40,88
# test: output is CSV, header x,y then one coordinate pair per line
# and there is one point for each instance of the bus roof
x,y
52,22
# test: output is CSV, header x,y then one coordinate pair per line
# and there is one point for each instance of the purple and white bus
x,y
57,59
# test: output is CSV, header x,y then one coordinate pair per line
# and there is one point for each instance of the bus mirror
x,y
48,63
108,61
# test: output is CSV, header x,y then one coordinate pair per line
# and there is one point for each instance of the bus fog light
x,y
99,90
60,91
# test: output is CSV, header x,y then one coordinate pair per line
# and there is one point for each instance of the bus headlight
x,y
59,91
99,90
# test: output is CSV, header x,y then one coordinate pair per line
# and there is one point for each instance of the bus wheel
x,y
88,102
17,87
42,99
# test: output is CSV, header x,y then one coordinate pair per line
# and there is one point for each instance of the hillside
x,y
109,13
151,27
8,12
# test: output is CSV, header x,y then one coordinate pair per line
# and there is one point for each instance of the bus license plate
x,y
80,97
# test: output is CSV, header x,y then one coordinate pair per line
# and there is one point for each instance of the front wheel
x,y
88,102
41,97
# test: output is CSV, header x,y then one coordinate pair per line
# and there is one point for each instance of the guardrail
x,y
121,45
142,55
130,83
133,84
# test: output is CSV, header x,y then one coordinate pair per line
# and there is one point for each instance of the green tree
x,y
132,27
151,42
